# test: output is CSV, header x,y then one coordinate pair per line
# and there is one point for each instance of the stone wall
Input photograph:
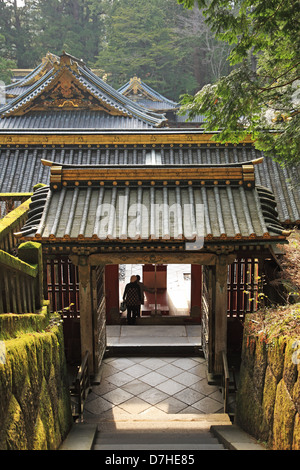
x,y
35,409
268,398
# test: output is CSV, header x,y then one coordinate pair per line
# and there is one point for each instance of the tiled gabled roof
x,y
71,86
21,166
140,92
179,204
20,86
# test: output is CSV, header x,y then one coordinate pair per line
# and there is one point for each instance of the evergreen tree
x,y
261,95
141,40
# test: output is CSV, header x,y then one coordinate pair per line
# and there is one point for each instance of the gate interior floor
x,y
152,387
153,335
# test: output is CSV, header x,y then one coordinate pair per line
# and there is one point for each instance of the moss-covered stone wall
x,y
268,398
35,409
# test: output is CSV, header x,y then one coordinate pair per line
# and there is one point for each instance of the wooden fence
x,y
17,285
21,289
10,224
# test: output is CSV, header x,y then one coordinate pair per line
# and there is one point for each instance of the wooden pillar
x,y
86,310
220,311
196,291
112,292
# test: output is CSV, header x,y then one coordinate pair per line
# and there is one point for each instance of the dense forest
x,y
168,46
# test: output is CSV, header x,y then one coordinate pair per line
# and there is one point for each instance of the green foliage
x,y
163,44
169,47
261,95
38,26
141,40
6,64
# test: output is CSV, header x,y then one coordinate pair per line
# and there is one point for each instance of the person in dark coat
x,y
132,297
143,289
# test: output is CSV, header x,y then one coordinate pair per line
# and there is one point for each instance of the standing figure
x,y
133,298
143,289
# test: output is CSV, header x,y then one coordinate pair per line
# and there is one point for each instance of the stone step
x,y
174,432
157,447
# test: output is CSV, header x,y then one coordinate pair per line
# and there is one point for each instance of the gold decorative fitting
x,y
163,138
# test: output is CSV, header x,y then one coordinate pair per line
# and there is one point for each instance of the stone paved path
x,y
149,386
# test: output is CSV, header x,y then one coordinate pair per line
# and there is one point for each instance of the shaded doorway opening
x,y
169,287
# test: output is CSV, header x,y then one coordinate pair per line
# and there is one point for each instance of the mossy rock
x,y
248,411
39,437
16,352
296,433
47,417
296,391
5,390
35,401
290,372
47,354
269,396
276,352
259,368
16,438
28,406
284,416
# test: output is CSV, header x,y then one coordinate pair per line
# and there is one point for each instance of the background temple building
x,y
91,145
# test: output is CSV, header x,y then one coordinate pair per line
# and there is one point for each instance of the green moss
x,y
38,186
30,252
284,415
290,372
15,427
296,433
249,410
269,395
12,262
47,417
39,436
276,353
14,325
35,408
12,218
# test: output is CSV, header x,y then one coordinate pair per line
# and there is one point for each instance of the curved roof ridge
x,y
135,81
92,84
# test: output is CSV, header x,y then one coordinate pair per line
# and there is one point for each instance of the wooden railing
x,y
12,223
228,384
9,201
225,381
17,285
81,387
21,270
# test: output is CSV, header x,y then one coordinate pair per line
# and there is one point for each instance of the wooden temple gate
x,y
102,216
91,276
62,290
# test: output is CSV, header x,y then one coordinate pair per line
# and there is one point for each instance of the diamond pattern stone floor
x,y
149,385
